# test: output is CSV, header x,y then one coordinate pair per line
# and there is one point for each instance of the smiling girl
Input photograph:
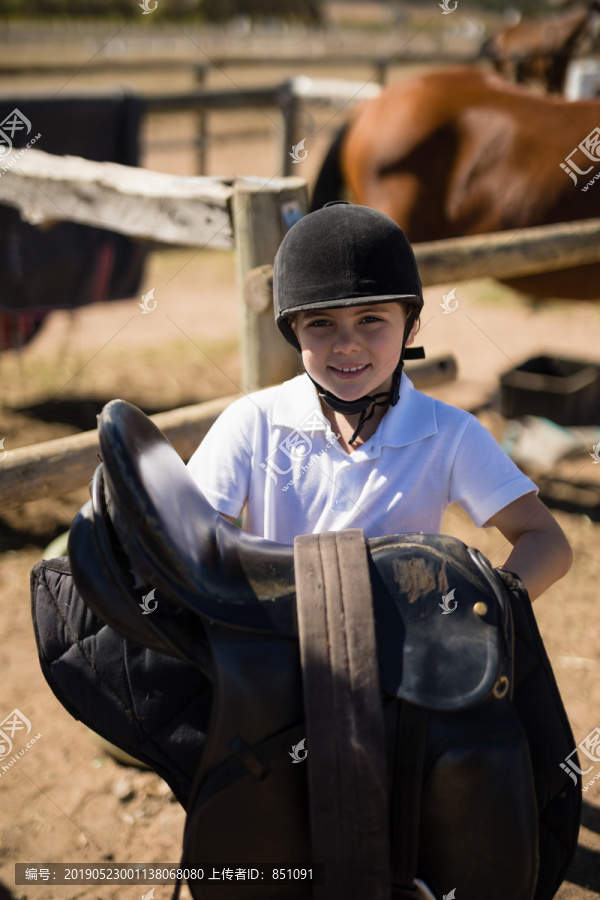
x,y
350,443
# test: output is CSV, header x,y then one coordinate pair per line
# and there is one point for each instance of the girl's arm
x,y
541,553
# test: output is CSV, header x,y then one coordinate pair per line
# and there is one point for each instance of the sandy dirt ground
x,y
66,799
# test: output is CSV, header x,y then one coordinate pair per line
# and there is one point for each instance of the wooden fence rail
x,y
63,465
380,63
510,254
138,202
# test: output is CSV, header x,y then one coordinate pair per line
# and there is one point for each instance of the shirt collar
x,y
412,419
297,401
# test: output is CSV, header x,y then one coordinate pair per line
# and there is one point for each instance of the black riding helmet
x,y
346,255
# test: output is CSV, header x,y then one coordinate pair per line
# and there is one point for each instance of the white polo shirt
x,y
276,450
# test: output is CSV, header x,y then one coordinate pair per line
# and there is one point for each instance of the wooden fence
x,y
287,98
252,215
379,63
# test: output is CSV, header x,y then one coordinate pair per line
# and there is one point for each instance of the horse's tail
x,y
330,181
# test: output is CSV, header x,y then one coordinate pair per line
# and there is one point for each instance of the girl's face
x,y
354,350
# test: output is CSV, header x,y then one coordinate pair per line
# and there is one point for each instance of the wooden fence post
x,y
381,71
262,214
202,130
290,109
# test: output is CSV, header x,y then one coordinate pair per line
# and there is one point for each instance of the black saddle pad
x,y
152,706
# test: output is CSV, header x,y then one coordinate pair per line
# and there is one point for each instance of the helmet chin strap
x,y
351,407
362,405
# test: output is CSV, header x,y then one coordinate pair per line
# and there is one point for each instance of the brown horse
x,y
541,49
459,152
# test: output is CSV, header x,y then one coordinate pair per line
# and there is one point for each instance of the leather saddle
x,y
356,731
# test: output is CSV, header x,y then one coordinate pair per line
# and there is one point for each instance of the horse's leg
x,y
557,74
521,70
330,182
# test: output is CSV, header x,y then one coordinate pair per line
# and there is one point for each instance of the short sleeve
x,y
221,465
484,479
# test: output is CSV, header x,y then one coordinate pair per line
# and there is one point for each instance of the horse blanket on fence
x,y
67,265
432,742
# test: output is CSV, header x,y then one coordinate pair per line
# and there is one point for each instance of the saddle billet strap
x,y
344,717
411,740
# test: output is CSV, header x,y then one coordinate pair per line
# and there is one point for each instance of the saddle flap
x,y
178,542
442,621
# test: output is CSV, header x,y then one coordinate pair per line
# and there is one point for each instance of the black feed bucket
x,y
566,391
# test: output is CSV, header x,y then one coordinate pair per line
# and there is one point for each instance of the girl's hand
x,y
541,553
